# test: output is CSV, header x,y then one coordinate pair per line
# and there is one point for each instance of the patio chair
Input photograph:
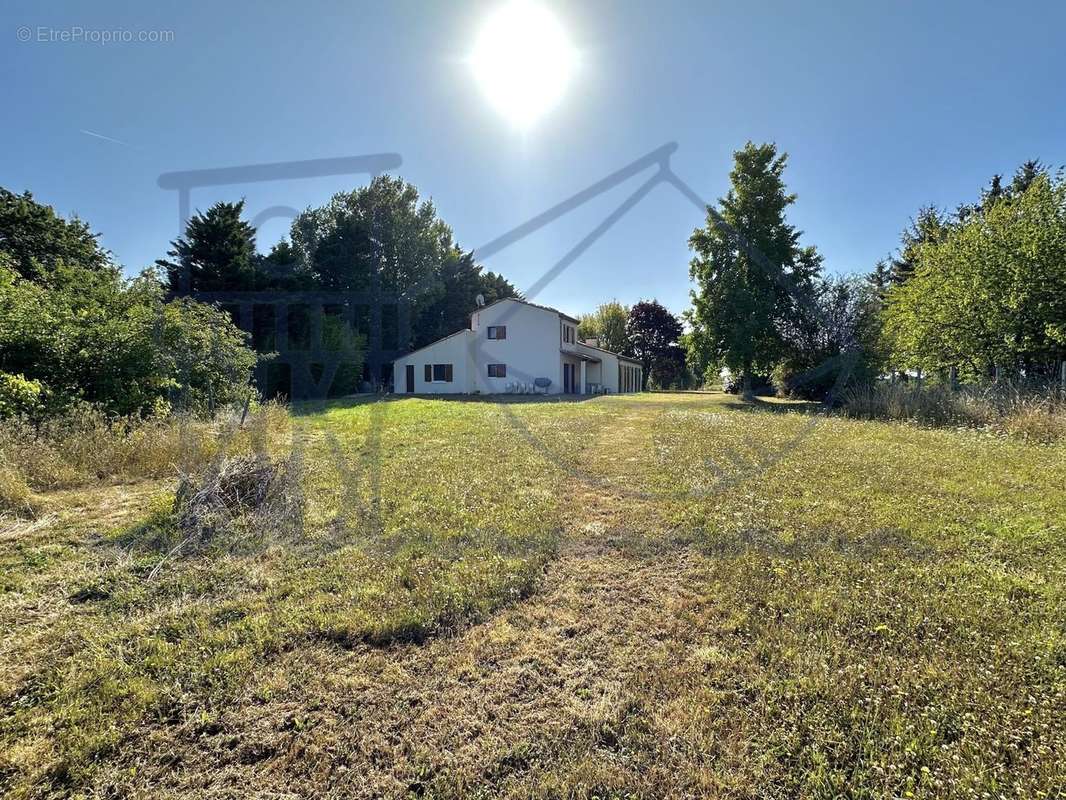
x,y
542,383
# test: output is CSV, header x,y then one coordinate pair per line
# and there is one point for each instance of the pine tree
x,y
215,254
1028,172
929,227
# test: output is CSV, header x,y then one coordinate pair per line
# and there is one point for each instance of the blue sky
x,y
883,107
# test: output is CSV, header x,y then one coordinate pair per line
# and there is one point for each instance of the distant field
x,y
627,596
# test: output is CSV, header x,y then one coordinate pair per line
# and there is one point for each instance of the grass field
x,y
631,596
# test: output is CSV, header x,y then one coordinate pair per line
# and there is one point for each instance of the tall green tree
x,y
215,254
751,273
607,324
384,238
460,280
37,240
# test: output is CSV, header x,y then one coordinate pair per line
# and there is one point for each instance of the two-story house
x,y
509,346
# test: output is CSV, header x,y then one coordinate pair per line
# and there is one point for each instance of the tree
x,y
460,282
751,274
991,292
654,335
279,270
929,227
37,240
607,324
1024,177
383,238
380,237
215,254
496,287
837,343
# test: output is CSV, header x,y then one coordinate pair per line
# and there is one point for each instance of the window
x,y
497,370
568,334
497,331
438,373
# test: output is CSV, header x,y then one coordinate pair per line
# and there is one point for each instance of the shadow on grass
x,y
805,407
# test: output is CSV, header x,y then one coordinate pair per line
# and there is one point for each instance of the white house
x,y
511,345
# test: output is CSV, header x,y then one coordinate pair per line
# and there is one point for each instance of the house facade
x,y
512,345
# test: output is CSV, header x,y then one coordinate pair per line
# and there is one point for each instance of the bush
x,y
823,382
92,335
733,384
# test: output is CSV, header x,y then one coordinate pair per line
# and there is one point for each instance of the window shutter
x,y
448,373
429,373
501,332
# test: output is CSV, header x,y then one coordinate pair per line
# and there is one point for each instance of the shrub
x,y
732,383
18,395
93,335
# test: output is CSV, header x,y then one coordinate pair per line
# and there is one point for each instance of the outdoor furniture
x,y
543,383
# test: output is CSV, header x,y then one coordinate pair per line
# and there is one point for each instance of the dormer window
x,y
497,331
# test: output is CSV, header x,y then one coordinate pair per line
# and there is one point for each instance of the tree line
x,y
968,295
74,329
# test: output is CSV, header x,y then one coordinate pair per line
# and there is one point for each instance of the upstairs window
x,y
568,334
438,373
497,331
497,370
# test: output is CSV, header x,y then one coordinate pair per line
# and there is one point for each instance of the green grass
x,y
626,596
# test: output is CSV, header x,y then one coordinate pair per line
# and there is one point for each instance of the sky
x,y
882,108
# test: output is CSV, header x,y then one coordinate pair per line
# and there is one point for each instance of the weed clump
x,y
205,504
242,497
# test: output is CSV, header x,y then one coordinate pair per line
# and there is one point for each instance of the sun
x,y
523,61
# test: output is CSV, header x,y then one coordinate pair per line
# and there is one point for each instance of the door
x,y
568,378
410,375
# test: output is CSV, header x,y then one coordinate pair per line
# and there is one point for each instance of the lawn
x,y
629,596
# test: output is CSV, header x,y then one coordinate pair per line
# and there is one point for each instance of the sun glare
x,y
523,61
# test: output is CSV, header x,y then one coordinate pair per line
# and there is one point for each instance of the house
x,y
509,346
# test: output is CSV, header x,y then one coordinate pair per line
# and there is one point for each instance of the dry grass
x,y
1034,414
743,603
85,446
16,497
